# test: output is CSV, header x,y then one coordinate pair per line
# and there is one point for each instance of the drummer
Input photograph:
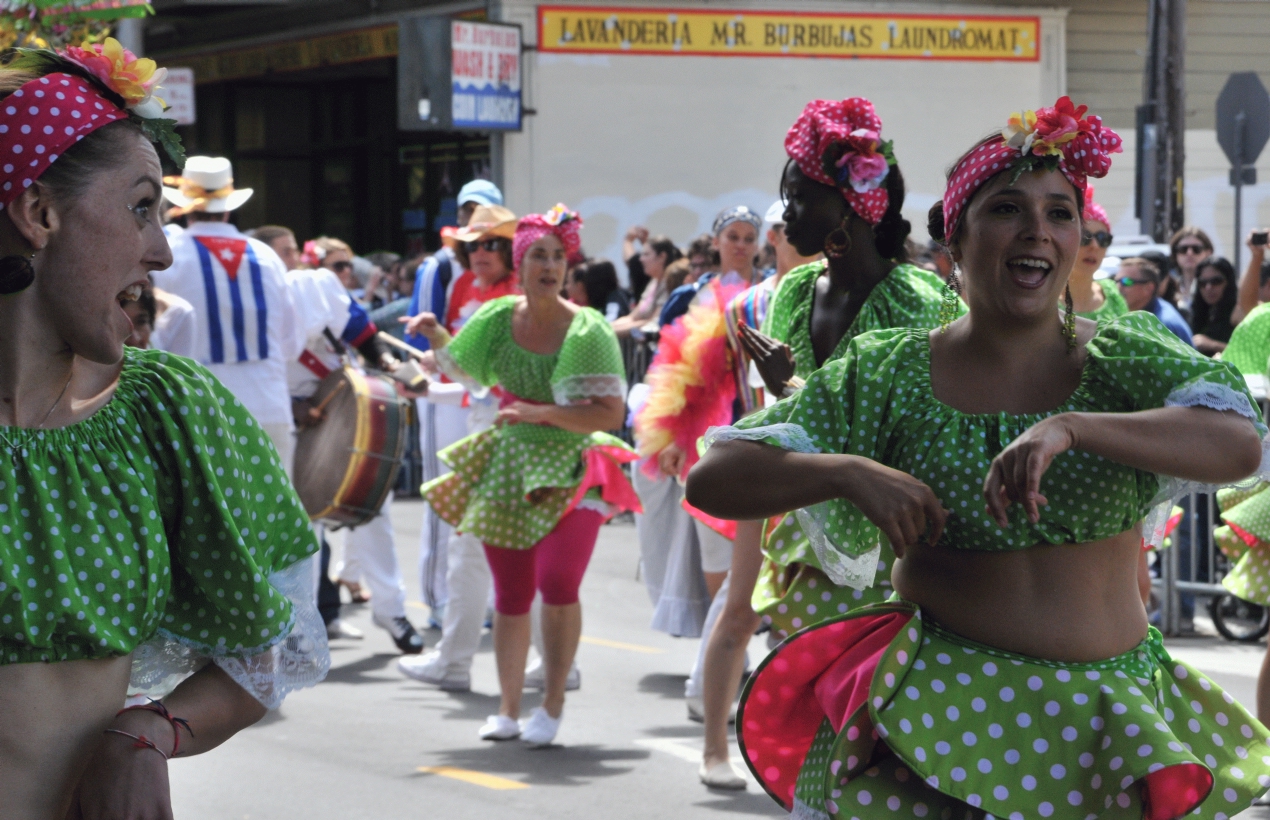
x,y
247,329
326,307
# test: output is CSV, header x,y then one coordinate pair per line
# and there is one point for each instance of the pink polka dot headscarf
x,y
42,119
560,221
1058,138
1093,211
839,143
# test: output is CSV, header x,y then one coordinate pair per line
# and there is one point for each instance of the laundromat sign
x,y
579,30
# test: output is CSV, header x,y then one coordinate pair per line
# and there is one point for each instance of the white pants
x,y
671,556
370,555
470,584
440,425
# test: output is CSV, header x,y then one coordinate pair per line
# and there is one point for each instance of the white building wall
x,y
668,141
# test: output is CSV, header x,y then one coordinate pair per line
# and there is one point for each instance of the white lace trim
x,y
857,572
787,436
601,506
445,361
297,661
804,812
588,386
1173,489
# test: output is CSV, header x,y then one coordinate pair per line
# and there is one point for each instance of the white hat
x,y
205,184
775,214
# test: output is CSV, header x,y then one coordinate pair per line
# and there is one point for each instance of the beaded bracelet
x,y
162,711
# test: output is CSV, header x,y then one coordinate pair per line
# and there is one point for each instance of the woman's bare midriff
x,y
53,717
1063,602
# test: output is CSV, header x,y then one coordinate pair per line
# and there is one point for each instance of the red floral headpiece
x,y
560,221
1058,138
838,143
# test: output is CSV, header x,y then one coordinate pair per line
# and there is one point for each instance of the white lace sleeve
x,y
857,572
1172,489
588,386
445,361
298,661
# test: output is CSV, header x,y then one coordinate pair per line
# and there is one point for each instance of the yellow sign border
x,y
716,17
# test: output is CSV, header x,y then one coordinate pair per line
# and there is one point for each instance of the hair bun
x,y
935,222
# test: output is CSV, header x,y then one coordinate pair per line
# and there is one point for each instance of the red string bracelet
x,y
142,742
162,711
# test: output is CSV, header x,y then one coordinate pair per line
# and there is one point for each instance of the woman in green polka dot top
x,y
1014,460
150,541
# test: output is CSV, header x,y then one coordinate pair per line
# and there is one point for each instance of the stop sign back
x,y
1244,93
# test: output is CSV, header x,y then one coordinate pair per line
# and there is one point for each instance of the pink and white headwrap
x,y
560,221
42,119
838,143
1093,211
1057,138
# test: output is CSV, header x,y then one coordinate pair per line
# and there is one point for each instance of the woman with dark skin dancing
x,y
1012,460
121,468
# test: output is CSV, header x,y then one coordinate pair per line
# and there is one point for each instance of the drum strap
x,y
314,364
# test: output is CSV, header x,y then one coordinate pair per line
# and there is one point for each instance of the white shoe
x,y
337,629
536,677
721,776
429,669
540,729
499,727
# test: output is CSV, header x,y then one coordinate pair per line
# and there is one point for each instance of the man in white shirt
x,y
246,328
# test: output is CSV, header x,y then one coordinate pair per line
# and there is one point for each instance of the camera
x,y
1260,237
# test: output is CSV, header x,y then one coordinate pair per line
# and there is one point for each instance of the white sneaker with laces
x,y
536,677
337,629
499,727
430,669
540,729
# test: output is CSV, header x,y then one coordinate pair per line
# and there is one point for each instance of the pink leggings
x,y
554,566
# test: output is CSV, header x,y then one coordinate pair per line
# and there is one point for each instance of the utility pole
x,y
1161,121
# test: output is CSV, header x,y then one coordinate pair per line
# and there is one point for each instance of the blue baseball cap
x,y
480,191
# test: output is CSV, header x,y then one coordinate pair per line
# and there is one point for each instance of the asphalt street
x,y
369,743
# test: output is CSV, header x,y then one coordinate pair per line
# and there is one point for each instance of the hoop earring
x,y
16,274
1069,320
835,247
949,307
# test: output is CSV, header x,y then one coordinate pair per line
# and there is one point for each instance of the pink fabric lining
x,y
1174,791
832,666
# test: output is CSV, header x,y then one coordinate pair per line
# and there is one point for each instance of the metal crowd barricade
x,y
1197,566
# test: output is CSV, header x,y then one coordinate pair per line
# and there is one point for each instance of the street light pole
x,y
1162,119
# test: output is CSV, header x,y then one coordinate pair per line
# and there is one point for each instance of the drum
x,y
347,463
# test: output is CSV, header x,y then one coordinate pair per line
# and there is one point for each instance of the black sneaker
x,y
403,633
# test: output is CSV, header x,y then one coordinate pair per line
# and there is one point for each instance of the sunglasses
x,y
1101,237
342,267
491,245
1181,249
1128,281
1212,282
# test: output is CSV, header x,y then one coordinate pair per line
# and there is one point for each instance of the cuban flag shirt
x,y
247,325
323,304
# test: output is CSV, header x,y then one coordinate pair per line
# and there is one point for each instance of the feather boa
x,y
691,385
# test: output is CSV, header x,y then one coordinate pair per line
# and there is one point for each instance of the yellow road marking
x,y
417,604
630,647
489,781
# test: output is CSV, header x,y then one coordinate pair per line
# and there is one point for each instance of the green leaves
x,y
163,133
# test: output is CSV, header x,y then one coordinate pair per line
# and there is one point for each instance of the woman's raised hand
x,y
774,360
425,324
1015,475
901,506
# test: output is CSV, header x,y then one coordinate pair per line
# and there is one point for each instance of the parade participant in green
x,y
844,196
150,541
1017,675
536,487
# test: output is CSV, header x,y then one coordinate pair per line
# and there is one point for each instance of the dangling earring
x,y
16,274
949,308
835,247
1069,320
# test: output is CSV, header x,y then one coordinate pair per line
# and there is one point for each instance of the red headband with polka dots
x,y
39,121
1058,138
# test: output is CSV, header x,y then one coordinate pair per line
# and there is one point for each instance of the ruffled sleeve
x,y
842,409
1136,363
468,358
590,363
241,547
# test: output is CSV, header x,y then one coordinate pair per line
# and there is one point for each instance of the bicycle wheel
x,y
1237,619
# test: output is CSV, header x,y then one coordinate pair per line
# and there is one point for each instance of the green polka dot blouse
x,y
877,402
1113,303
1249,346
161,517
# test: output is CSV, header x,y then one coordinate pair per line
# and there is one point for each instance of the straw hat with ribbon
x,y
206,184
488,220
